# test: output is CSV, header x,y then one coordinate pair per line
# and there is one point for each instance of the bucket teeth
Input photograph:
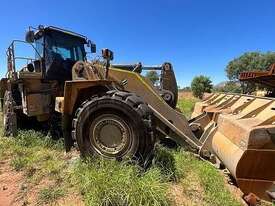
x,y
243,138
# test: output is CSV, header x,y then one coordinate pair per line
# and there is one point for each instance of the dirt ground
x,y
15,190
10,182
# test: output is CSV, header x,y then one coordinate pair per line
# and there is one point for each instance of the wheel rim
x,y
110,135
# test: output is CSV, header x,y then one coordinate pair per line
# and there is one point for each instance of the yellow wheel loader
x,y
111,110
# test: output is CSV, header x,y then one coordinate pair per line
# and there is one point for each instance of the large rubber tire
x,y
9,115
117,125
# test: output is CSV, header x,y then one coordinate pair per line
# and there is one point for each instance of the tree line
x,y
249,61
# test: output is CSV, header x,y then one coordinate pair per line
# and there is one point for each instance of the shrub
x,y
201,84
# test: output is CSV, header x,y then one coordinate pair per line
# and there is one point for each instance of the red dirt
x,y
16,191
10,182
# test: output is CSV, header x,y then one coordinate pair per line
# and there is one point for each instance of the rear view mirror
x,y
107,54
29,36
92,45
30,67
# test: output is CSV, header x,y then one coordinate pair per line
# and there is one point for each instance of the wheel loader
x,y
113,111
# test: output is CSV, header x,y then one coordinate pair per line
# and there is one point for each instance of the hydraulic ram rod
x,y
131,67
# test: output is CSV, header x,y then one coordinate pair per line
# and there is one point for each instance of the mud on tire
x,y
116,125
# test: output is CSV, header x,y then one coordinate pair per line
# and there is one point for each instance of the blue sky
x,y
197,36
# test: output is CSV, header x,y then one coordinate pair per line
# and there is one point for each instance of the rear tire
x,y
9,115
117,125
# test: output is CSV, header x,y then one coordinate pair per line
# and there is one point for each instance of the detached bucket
x,y
249,155
244,139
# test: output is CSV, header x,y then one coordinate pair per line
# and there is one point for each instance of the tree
x,y
201,84
153,76
249,61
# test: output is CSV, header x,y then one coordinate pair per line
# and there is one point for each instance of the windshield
x,y
39,48
68,47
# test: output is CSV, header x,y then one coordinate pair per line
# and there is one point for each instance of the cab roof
x,y
57,29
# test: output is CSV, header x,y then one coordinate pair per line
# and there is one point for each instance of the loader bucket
x,y
243,138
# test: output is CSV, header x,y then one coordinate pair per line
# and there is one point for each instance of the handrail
x,y
11,55
21,41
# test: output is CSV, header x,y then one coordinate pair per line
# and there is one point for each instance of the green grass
x,y
105,182
50,194
34,153
187,106
211,181
40,159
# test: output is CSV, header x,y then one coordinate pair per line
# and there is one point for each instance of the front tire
x,y
117,125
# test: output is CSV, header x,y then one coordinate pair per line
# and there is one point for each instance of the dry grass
x,y
186,95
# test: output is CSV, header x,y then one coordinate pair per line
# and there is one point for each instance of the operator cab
x,y
57,50
45,63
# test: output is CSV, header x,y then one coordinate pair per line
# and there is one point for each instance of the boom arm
x,y
169,121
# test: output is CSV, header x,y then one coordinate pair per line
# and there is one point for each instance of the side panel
x,y
36,104
36,97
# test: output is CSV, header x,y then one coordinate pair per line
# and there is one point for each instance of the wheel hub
x,y
110,134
